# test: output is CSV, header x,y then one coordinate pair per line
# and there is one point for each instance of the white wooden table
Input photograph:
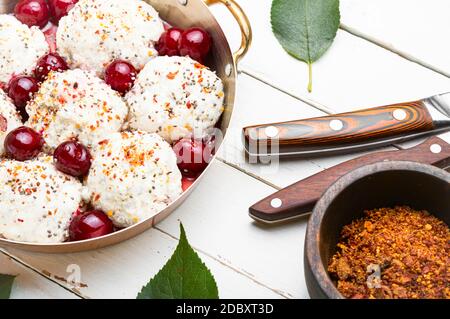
x,y
385,51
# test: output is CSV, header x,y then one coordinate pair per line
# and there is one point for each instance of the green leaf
x,y
6,282
305,28
184,276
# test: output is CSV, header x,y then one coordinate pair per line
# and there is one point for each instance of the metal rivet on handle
x,y
276,203
399,115
336,125
435,148
271,131
183,2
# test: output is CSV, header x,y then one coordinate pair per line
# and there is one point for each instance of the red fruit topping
x,y
60,8
21,90
120,75
89,225
23,143
168,42
196,43
193,155
72,158
49,62
32,12
186,182
78,212
50,36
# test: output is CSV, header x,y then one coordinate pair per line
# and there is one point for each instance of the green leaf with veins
x,y
305,28
6,282
184,276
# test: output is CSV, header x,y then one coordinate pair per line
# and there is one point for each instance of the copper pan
x,y
181,13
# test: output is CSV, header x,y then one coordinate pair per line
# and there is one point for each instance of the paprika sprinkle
x,y
393,253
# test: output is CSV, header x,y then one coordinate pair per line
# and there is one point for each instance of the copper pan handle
x,y
244,24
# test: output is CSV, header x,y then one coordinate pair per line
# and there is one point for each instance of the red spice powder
x,y
393,253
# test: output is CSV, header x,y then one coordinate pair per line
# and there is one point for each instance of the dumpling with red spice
x,y
175,97
133,176
9,118
75,104
96,32
20,47
37,201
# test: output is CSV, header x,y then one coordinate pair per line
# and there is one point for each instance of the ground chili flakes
x,y
393,253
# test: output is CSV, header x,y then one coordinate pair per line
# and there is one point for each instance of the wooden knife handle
x,y
299,198
346,128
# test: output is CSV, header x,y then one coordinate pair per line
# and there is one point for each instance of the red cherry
x,y
78,212
50,36
72,158
32,12
89,225
168,42
23,143
21,90
193,155
60,8
186,182
196,43
120,75
49,62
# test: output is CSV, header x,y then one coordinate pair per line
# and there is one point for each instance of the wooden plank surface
x,y
248,260
29,284
265,105
218,212
257,103
353,74
417,28
216,215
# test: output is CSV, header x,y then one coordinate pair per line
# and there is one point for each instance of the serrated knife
x,y
352,131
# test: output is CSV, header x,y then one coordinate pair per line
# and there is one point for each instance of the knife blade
x,y
298,199
352,131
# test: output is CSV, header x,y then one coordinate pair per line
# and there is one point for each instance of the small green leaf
x,y
305,28
6,282
184,276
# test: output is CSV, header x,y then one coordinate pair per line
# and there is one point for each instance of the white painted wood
x,y
327,162
217,214
257,103
29,285
249,260
143,257
353,74
242,254
445,137
121,271
416,27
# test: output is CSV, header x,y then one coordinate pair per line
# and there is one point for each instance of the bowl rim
x,y
312,239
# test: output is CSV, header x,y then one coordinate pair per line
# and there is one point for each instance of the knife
x,y
299,199
352,131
